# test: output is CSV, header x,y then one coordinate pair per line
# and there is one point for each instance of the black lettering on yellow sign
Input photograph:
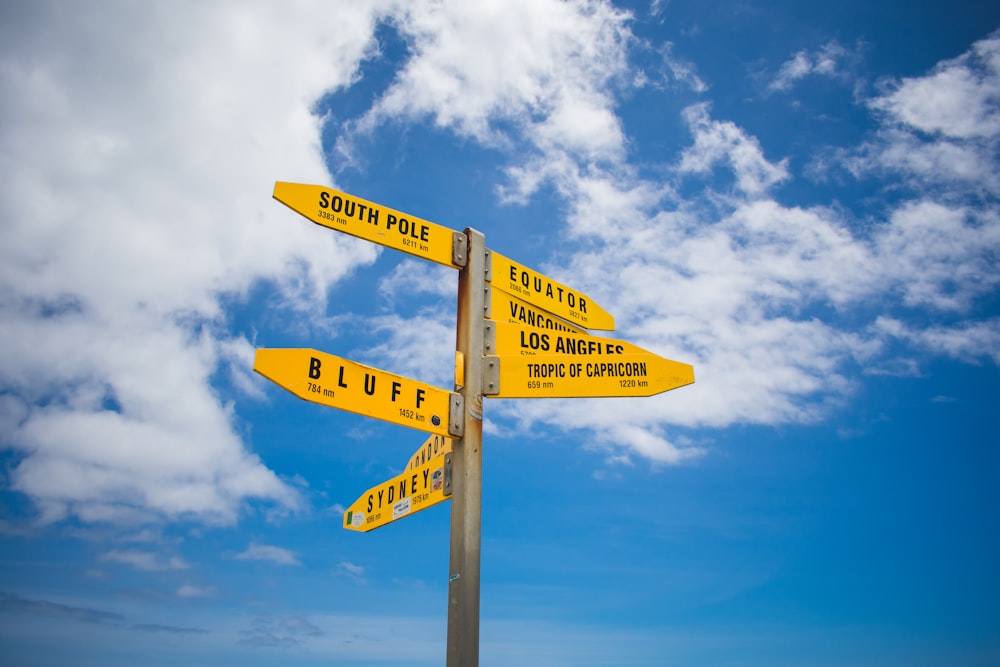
x,y
568,344
534,318
315,366
541,285
434,446
386,495
405,227
605,370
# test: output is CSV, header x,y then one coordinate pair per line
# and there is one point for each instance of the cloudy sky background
x,y
802,203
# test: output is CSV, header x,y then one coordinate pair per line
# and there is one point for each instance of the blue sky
x,y
799,199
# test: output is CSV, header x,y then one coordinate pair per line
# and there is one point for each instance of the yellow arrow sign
x,y
372,222
432,447
504,307
347,385
542,291
401,496
565,376
503,338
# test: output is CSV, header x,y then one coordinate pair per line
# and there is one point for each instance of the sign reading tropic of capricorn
x,y
520,334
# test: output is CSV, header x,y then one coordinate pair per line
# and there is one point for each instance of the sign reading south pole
x,y
540,290
347,385
414,490
372,222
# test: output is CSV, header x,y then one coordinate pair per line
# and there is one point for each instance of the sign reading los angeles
x,y
347,385
372,222
540,290
504,338
414,490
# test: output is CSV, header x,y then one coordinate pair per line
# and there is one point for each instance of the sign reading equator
x,y
401,496
347,385
565,376
540,290
370,221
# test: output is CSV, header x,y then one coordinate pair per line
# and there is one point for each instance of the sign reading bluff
x,y
414,490
372,222
347,385
562,376
542,291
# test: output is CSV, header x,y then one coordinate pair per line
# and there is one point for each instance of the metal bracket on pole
x,y
456,415
488,268
459,249
487,302
447,475
489,339
491,375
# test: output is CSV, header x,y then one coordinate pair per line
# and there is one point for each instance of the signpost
x,y
403,495
532,343
347,385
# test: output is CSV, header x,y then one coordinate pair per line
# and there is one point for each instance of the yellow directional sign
x,y
432,447
503,338
568,376
542,291
372,222
504,307
414,490
347,385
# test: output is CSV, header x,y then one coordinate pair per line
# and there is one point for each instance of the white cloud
x,y
941,130
268,552
959,99
549,78
940,256
826,61
969,342
723,142
139,148
420,347
144,560
355,573
191,591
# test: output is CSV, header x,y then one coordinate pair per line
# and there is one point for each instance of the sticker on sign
x,y
403,495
